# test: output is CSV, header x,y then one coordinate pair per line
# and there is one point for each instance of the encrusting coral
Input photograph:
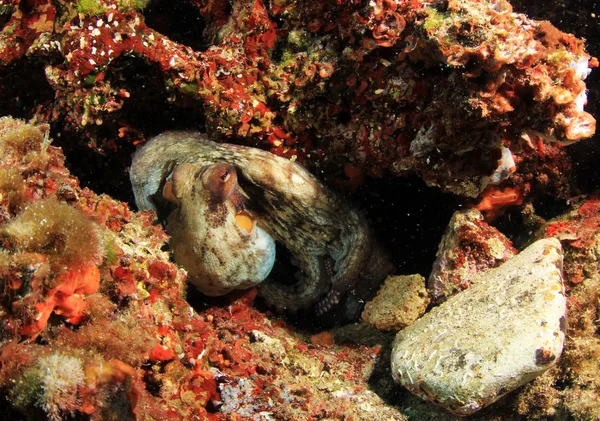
x,y
52,385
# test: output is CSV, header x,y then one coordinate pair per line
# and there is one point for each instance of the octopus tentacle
x,y
300,295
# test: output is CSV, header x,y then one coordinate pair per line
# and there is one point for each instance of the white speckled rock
x,y
484,342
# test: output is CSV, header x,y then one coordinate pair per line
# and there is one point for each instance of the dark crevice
x,y
408,217
24,87
179,20
149,110
549,207
6,12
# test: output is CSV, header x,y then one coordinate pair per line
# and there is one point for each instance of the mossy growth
x,y
287,58
6,9
128,5
90,7
299,38
559,56
110,248
51,385
190,89
58,230
18,137
434,20
12,187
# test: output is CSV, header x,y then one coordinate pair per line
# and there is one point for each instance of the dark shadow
x,y
149,110
408,217
24,87
179,20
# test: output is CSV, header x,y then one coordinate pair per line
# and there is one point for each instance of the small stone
x,y
502,332
399,302
468,248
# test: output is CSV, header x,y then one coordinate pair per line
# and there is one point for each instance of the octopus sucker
x,y
253,191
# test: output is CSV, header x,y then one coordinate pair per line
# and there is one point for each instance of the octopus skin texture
x,y
210,213
328,240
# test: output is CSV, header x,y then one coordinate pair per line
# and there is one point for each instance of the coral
x,y
56,229
52,385
465,94
493,200
89,7
578,231
12,189
468,248
573,387
470,96
399,302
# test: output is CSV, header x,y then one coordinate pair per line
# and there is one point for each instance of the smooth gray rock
x,y
486,341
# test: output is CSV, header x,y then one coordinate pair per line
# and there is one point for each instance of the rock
x,y
469,247
399,302
502,332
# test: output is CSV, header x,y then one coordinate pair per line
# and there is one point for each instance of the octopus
x,y
210,212
225,205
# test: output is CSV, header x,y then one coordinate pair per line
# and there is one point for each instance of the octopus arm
x,y
301,295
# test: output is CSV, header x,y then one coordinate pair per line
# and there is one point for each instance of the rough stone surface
x,y
469,247
505,330
399,302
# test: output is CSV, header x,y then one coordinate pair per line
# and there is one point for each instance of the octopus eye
x,y
221,181
225,176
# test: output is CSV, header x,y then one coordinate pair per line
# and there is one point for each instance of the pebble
x,y
399,302
502,332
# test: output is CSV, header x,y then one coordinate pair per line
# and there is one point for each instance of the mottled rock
x,y
469,247
502,332
399,302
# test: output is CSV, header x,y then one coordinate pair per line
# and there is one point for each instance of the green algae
x,y
90,7
128,5
434,20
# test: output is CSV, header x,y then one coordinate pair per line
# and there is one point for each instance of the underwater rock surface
x,y
95,322
468,95
499,334
399,302
469,247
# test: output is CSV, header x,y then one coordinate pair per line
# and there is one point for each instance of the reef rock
x,y
469,247
466,94
399,302
579,233
504,331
